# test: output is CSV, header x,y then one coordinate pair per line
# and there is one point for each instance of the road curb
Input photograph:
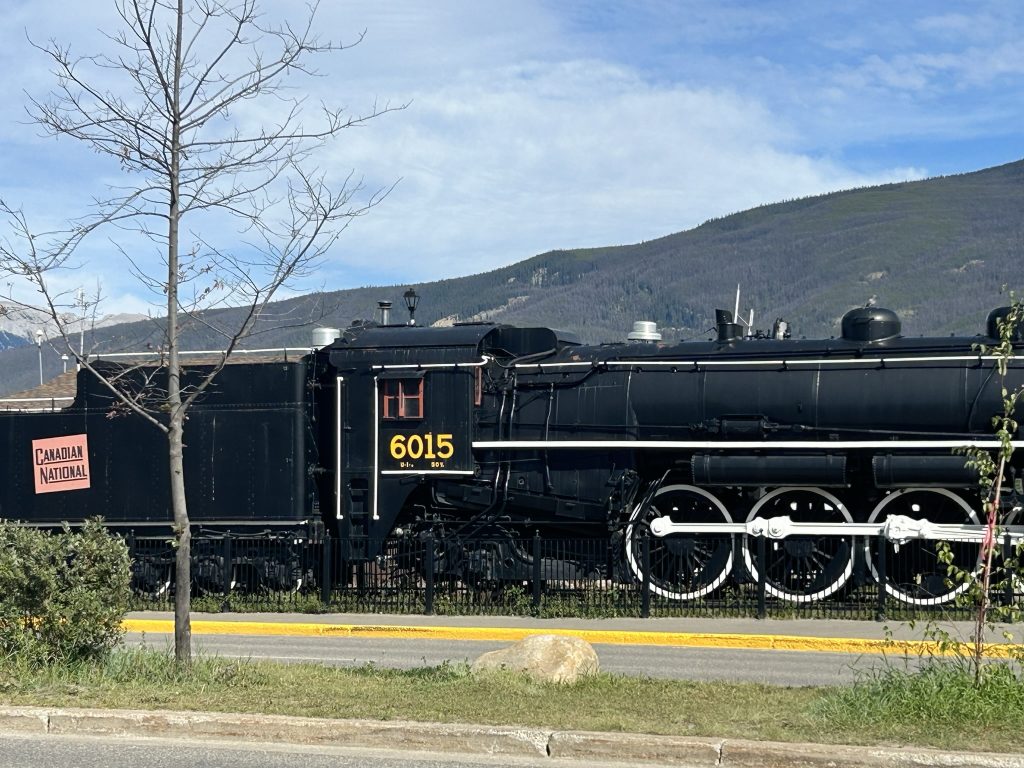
x,y
214,726
738,753
635,748
593,636
464,738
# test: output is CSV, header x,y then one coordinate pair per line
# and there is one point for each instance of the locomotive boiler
x,y
477,435
502,430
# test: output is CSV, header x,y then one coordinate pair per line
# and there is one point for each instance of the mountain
x,y
20,325
936,251
11,340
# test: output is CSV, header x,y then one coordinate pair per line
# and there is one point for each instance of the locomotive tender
x,y
481,434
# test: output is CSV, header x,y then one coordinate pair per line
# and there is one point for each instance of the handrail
x,y
156,353
31,399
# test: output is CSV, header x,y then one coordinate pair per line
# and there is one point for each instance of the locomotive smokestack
x,y
385,312
728,329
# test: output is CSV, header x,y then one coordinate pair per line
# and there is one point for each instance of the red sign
x,y
61,463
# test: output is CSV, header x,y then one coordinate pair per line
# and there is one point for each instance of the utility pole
x,y
81,328
39,346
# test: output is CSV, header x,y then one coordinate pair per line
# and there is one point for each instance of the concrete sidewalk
x,y
835,636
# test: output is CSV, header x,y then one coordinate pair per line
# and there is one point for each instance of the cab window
x,y
403,398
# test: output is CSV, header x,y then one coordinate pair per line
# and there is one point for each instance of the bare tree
x,y
162,103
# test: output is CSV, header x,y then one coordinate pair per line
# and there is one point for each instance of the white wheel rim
x,y
635,567
894,591
783,594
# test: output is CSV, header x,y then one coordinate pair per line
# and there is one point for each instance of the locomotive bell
x,y
870,324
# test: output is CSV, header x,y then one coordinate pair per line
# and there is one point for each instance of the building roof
x,y
50,395
59,391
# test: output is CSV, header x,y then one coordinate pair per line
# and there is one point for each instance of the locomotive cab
x,y
406,402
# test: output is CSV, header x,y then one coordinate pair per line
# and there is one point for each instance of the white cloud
x,y
509,162
532,127
957,26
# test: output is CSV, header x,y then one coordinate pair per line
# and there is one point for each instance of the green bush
x,y
62,596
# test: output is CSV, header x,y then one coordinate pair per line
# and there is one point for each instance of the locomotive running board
x,y
734,445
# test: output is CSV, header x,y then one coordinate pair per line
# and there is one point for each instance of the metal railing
x,y
864,577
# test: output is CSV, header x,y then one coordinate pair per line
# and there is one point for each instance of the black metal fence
x,y
740,576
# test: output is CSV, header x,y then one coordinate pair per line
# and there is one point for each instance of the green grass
x,y
937,704
937,707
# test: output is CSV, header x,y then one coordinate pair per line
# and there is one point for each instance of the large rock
x,y
549,658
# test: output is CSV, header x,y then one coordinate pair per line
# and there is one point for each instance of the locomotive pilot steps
x,y
477,436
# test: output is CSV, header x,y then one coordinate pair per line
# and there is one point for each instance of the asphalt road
x,y
793,668
25,751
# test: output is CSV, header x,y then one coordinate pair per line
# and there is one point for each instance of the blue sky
x,y
538,124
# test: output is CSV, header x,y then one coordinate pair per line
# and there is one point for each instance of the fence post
x,y
883,577
1007,557
645,595
536,571
428,597
226,572
762,577
325,571
136,572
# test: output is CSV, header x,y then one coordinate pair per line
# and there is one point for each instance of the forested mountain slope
x,y
936,251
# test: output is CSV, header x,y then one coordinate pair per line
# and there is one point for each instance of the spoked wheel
x,y
152,579
801,569
914,574
208,573
1009,574
266,575
682,566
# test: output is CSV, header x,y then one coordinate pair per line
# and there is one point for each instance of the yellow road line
x,y
599,636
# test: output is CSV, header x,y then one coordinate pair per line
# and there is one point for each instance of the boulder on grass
x,y
547,658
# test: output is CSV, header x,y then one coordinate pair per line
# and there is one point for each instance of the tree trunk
x,y
183,551
176,425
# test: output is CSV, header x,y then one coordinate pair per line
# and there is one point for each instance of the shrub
x,y
62,596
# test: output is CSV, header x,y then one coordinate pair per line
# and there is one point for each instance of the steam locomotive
x,y
487,433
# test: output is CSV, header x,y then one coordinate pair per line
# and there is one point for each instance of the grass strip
x,y
935,707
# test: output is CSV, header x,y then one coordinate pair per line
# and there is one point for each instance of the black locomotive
x,y
481,432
